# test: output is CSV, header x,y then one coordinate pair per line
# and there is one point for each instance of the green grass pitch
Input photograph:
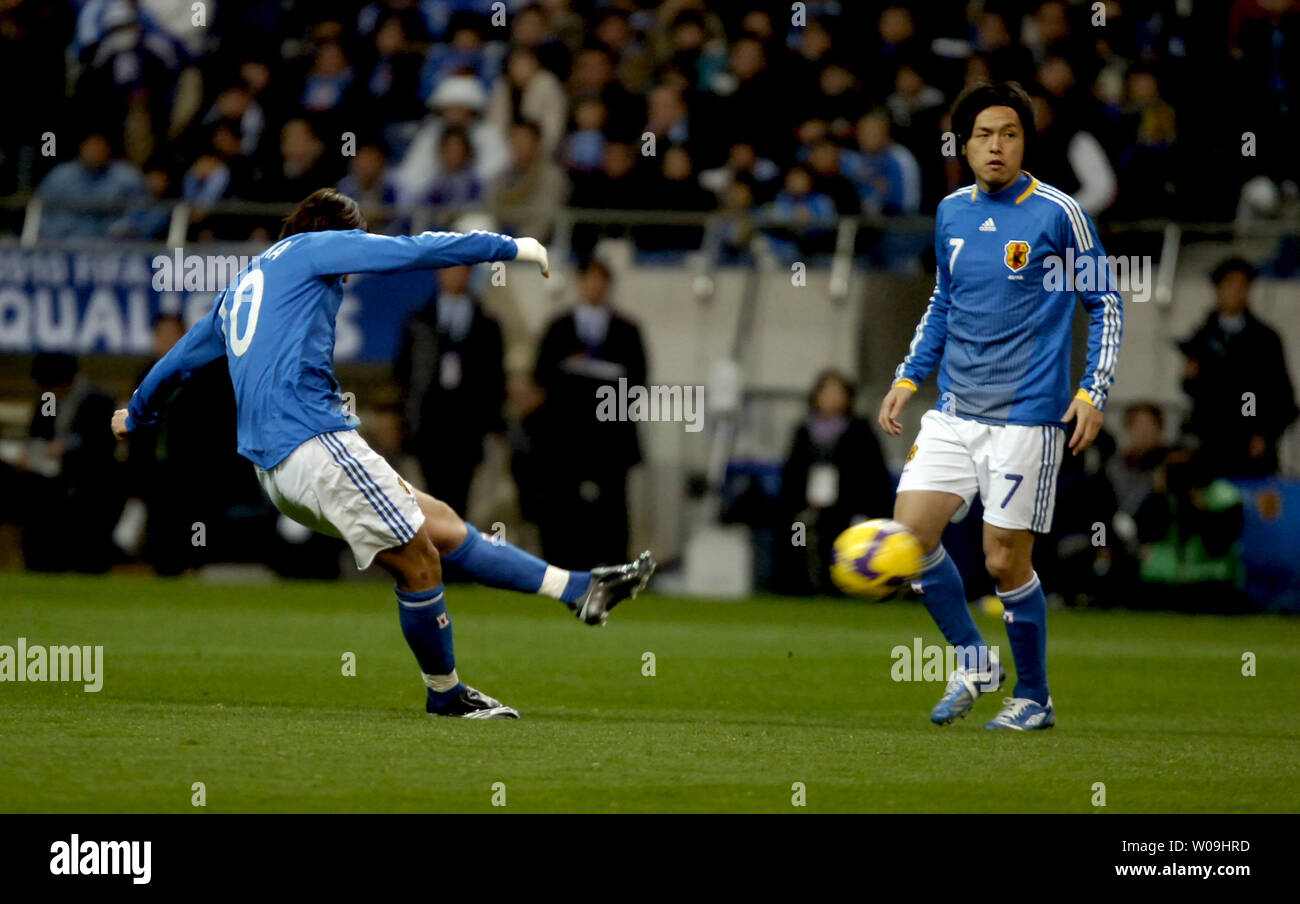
x,y
241,688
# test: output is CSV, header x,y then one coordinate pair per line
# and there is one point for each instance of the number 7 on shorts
x,y
1015,479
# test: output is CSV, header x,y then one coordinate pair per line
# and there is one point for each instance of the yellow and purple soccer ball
x,y
875,558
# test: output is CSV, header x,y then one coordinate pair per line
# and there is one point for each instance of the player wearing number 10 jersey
x,y
275,327
998,331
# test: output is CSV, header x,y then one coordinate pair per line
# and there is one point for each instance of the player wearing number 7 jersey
x,y
275,327
998,329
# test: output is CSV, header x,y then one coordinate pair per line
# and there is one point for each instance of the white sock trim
x,y
934,557
554,582
442,683
1011,596
424,604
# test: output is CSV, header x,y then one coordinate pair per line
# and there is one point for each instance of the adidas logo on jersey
x,y
987,226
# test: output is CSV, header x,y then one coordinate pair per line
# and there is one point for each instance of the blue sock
x,y
1025,612
498,564
944,596
427,629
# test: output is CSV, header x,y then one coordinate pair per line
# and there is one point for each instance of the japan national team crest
x,y
1017,255
443,620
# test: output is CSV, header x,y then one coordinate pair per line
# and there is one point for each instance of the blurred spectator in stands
x,y
69,475
532,180
1007,60
409,14
825,162
1236,376
633,60
594,76
206,181
456,182
885,173
810,215
1132,471
762,175
1071,159
1059,84
463,52
93,176
676,189
577,466
151,217
450,367
542,32
1148,161
751,94
811,53
532,94
34,36
584,148
842,100
896,45
619,185
694,44
132,79
915,108
667,118
835,475
1049,32
236,108
368,180
458,101
392,84
1189,532
304,165
370,183
329,89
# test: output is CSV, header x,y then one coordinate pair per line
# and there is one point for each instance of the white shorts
x,y
1012,466
335,484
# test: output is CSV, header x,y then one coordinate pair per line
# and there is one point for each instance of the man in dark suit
x,y
1236,376
452,373
579,464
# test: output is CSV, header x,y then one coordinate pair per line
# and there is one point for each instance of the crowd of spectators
x,y
802,111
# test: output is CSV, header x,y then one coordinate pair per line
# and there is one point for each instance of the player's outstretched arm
x,y
202,345
337,252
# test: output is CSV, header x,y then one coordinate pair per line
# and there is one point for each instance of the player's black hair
x,y
163,316
1233,265
325,208
979,97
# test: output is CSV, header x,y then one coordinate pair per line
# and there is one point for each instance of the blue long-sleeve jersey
x,y
998,325
275,325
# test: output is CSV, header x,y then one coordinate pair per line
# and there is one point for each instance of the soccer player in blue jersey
x,y
274,324
998,330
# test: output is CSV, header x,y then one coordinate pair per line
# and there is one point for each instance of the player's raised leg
x,y
1008,555
496,563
